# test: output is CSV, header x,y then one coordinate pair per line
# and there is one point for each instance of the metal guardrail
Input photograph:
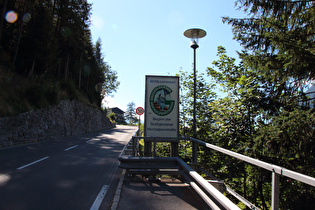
x,y
142,165
277,171
270,167
213,197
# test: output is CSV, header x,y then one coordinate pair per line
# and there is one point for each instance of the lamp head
x,y
195,34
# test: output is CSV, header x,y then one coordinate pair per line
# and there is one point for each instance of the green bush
x,y
112,117
52,94
70,89
35,95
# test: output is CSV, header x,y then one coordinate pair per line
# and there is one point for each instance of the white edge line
x,y
118,191
71,147
32,163
99,198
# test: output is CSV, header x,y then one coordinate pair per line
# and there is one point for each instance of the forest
x,y
265,113
47,55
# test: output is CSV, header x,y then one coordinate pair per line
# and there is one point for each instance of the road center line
x,y
32,163
99,198
71,147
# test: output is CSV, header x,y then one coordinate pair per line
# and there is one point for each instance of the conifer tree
x,y
50,44
278,37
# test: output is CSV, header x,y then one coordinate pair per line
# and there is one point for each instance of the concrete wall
x,y
69,118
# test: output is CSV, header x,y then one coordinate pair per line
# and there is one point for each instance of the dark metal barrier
x,y
206,191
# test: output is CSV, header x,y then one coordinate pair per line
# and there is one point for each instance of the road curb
x,y
118,191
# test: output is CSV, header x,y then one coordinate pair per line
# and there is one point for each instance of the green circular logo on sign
x,y
160,100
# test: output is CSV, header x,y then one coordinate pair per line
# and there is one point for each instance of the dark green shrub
x,y
52,95
35,96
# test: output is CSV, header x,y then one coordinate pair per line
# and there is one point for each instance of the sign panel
x,y
162,106
139,111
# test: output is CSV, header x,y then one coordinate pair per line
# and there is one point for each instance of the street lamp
x,y
194,34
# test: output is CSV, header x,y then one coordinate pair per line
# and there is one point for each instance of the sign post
x,y
139,112
162,110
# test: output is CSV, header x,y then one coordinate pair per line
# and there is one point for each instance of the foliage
x,y
50,46
246,120
112,117
141,141
163,149
258,118
204,95
130,114
104,110
278,40
109,75
288,141
281,34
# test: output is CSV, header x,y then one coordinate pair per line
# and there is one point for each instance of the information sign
x,y
162,106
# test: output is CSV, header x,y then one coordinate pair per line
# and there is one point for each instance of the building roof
x,y
116,110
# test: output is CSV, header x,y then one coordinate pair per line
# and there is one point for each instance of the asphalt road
x,y
69,173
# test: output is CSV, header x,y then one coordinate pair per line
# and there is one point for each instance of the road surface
x,y
68,173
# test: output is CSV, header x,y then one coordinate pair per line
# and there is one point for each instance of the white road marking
x,y
118,191
4,178
99,198
32,163
71,147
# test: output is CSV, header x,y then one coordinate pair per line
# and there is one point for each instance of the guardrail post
x,y
147,148
133,146
174,149
275,191
154,148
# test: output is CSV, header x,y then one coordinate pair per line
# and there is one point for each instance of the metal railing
x,y
276,171
162,165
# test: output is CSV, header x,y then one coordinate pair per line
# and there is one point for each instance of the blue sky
x,y
145,37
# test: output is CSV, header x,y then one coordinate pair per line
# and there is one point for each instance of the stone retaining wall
x,y
69,118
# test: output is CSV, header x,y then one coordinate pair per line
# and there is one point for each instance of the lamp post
x,y
194,34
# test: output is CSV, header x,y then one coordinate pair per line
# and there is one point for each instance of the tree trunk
x,y
18,44
244,183
80,71
255,192
20,35
87,82
2,18
260,190
31,72
67,68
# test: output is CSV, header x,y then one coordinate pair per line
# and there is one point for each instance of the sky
x,y
145,37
